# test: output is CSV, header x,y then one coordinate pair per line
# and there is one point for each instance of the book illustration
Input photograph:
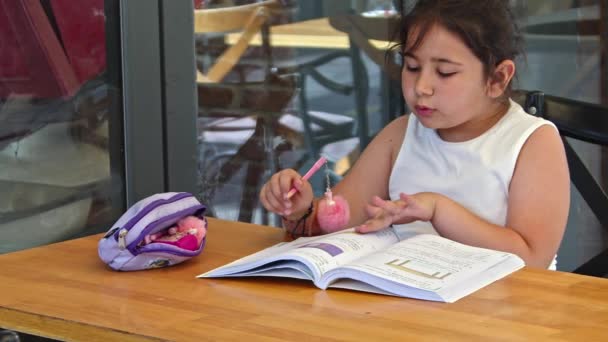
x,y
330,249
399,265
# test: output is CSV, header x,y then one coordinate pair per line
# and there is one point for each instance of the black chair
x,y
585,122
9,336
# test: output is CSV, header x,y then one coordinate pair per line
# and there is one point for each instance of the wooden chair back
x,y
249,19
362,31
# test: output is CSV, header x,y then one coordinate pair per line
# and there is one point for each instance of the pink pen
x,y
317,165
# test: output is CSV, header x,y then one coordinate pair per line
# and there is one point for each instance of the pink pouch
x,y
122,247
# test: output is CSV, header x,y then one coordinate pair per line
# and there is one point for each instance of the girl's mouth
x,y
424,111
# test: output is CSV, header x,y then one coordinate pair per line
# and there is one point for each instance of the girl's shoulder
x,y
394,131
397,127
393,134
390,137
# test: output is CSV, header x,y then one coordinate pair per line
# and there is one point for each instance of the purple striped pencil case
x,y
140,239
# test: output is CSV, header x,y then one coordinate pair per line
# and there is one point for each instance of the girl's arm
x,y
370,174
539,200
539,196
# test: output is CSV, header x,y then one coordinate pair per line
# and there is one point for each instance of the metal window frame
x,y
159,102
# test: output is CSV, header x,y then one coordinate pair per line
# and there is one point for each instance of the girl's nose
x,y
423,86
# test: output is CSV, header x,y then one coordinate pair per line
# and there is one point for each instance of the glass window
x,y
60,131
563,49
300,79
281,83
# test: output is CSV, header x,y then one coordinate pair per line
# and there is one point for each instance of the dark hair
x,y
487,27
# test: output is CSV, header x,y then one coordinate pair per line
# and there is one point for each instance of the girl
x,y
468,163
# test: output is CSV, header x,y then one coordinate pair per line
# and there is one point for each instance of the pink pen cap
x,y
316,166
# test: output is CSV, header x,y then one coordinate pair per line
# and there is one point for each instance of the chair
x,y
250,19
585,122
236,111
9,336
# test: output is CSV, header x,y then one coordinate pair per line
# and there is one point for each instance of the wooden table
x,y
64,291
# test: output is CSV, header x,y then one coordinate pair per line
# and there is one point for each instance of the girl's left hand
x,y
409,208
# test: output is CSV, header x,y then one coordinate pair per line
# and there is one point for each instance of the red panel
x,y
32,61
82,27
199,4
12,60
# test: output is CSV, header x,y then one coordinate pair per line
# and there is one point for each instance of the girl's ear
x,y
499,80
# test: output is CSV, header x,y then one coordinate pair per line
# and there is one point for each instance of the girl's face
x,y
445,87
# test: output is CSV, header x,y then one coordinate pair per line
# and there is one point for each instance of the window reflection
x,y
563,47
54,107
347,88
340,93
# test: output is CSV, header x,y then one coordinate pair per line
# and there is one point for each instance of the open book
x,y
424,266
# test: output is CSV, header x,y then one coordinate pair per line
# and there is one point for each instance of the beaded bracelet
x,y
296,228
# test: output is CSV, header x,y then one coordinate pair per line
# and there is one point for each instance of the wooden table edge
x,y
26,322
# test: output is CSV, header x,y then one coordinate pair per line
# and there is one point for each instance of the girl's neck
x,y
475,127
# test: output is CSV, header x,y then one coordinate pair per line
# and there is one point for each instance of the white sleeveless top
x,y
475,173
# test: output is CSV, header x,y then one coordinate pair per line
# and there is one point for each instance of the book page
x,y
341,248
319,254
426,262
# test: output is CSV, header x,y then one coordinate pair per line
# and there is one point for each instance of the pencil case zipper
x,y
122,233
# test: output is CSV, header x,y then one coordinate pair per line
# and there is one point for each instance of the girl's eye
x,y
445,74
412,68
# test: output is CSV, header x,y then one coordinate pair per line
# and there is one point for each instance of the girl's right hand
x,y
274,194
